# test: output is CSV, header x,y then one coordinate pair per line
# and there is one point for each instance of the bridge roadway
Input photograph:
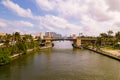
x,y
63,39
70,39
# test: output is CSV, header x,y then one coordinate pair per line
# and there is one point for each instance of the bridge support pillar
x,y
77,42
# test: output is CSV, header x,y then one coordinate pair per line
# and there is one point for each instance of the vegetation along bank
x,y
15,45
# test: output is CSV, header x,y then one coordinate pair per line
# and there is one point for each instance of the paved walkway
x,y
113,52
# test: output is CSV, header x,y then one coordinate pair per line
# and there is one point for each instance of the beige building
x,y
2,34
74,36
48,34
40,34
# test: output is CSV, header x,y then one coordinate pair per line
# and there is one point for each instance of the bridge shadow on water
x,y
62,46
65,47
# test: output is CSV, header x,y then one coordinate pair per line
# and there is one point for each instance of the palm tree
x,y
17,36
110,32
8,39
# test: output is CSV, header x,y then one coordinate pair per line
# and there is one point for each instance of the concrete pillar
x,y
78,42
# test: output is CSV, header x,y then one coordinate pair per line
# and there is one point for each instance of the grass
x,y
108,48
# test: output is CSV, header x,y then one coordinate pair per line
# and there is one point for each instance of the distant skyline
x,y
89,17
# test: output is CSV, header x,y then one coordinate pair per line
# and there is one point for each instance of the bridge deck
x,y
70,39
63,39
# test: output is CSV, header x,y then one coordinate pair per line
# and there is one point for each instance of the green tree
x,y
103,37
0,39
8,39
22,47
117,35
4,56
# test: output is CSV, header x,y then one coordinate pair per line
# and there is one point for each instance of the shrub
x,y
4,56
22,47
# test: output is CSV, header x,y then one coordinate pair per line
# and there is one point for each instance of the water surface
x,y
62,63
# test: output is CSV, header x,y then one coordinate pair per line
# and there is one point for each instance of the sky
x,y
90,17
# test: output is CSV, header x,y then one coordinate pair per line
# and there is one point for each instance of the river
x,y
62,63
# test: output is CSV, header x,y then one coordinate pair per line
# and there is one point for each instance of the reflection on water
x,y
61,63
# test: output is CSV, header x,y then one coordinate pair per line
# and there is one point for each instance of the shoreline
x,y
19,54
112,52
108,53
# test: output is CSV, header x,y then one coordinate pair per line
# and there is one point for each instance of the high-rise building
x,y
53,35
48,34
74,36
40,35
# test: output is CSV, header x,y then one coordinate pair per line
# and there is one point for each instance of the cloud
x,y
12,26
3,24
58,24
45,5
73,16
66,8
77,8
114,5
17,9
7,23
98,10
24,23
93,27
91,15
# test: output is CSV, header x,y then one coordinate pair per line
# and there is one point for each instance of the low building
x,y
2,34
1,44
53,35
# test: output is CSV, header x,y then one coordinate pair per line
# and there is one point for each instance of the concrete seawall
x,y
19,54
104,53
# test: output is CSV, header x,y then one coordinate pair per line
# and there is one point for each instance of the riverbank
x,y
114,54
6,58
18,54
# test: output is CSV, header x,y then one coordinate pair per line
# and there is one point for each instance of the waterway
x,y
62,63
